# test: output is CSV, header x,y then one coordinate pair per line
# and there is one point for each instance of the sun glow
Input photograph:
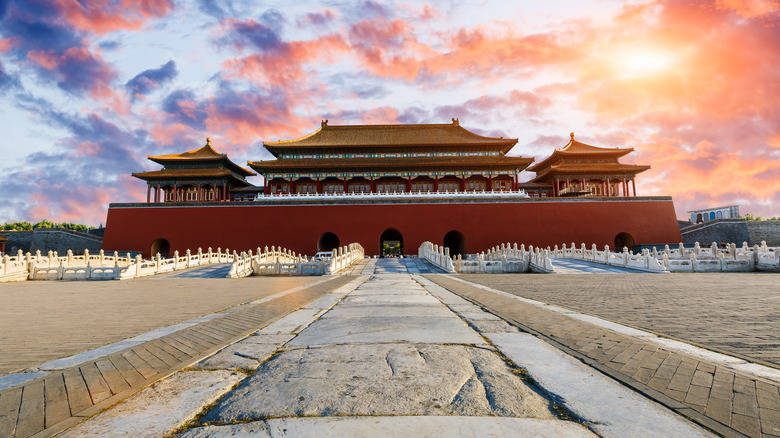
x,y
645,62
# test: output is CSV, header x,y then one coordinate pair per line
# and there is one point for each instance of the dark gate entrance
x,y
391,243
162,246
623,239
456,242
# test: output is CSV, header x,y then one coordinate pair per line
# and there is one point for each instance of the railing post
x,y
70,257
189,256
102,257
176,260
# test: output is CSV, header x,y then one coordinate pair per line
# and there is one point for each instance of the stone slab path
x,y
66,396
708,389
392,354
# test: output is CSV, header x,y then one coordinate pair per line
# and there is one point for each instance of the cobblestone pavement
x,y
734,313
42,321
48,404
727,401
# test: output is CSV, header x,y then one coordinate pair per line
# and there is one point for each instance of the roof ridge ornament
x,y
208,141
572,136
324,123
455,121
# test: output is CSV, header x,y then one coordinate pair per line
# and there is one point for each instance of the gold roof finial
x,y
572,135
208,141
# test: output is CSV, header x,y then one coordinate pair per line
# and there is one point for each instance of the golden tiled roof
x,y
390,136
189,173
573,147
206,153
369,164
595,169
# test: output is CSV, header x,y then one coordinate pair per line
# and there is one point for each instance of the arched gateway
x,y
328,242
391,242
456,242
623,240
162,246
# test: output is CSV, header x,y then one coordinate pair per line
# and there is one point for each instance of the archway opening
x,y
456,242
328,242
162,246
623,240
391,243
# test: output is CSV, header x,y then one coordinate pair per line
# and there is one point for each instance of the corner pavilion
x,y
404,184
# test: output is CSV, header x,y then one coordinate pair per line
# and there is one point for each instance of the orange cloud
x,y
104,16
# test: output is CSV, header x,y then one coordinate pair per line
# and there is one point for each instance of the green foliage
x,y
26,226
750,217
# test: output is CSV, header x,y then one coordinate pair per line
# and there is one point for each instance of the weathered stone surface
x,y
390,299
423,329
292,323
382,379
257,429
161,408
612,409
391,427
400,310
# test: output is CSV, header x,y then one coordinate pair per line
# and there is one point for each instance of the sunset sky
x,y
90,88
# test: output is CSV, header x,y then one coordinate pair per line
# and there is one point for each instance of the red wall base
x,y
243,226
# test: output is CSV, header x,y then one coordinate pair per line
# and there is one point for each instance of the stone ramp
x,y
406,265
571,266
49,404
697,385
220,270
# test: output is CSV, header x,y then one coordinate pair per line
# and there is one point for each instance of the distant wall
x,y
728,230
51,239
768,231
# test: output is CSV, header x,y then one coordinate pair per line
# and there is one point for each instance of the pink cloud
x,y
104,16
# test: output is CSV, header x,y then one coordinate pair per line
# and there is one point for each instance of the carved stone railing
x,y
284,262
681,259
504,258
99,266
392,195
645,261
438,256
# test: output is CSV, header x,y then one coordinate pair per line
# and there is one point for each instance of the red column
x,y
148,192
409,184
463,183
199,196
224,192
436,183
175,193
319,185
490,183
625,188
345,184
633,185
158,193
373,186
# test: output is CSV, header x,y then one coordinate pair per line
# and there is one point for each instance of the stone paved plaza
x,y
392,349
735,313
42,321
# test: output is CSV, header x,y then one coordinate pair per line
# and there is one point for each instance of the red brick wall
x,y
298,227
